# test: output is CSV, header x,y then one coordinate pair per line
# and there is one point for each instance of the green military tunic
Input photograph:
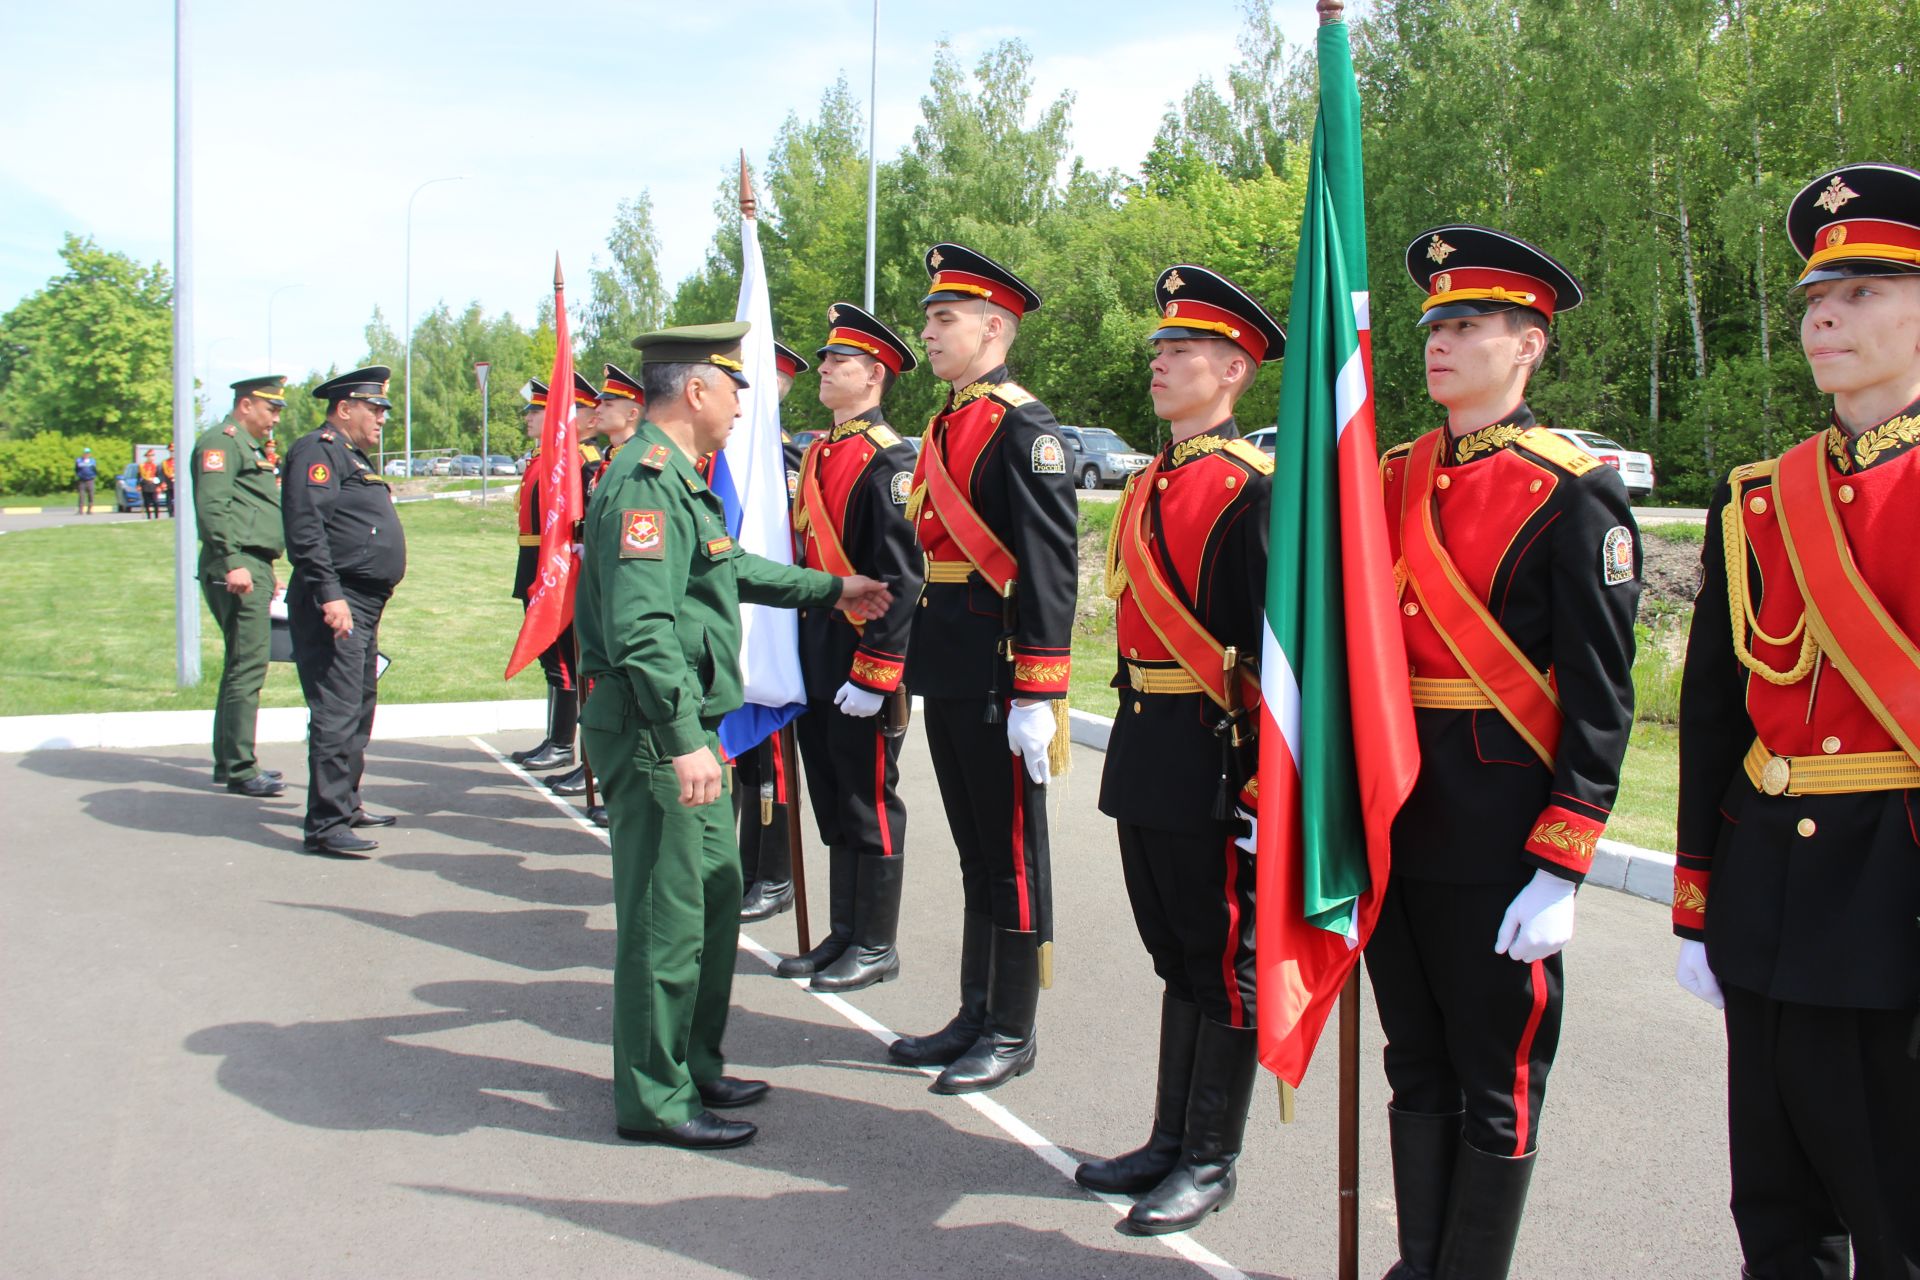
x,y
657,610
236,503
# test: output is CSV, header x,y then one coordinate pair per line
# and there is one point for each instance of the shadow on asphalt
x,y
507,875
537,940
190,803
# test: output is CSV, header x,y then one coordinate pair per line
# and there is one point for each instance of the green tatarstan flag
x,y
1337,749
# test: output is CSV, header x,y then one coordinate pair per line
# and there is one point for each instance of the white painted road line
x,y
1008,1123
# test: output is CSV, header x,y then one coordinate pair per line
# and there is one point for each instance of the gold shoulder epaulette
x,y
1400,450
1117,567
883,436
588,452
1762,470
1561,453
1251,455
1013,394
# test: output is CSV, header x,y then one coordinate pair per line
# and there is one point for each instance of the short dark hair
x,y
663,383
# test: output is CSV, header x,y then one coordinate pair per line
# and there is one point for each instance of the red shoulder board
x,y
327,436
656,458
228,430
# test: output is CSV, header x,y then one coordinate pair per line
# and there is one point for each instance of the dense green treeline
x,y
1651,145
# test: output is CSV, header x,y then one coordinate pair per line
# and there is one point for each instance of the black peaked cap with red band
x,y
1468,270
536,394
852,331
585,394
958,273
1857,220
788,361
620,385
1198,303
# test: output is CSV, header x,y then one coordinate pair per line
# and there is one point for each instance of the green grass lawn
x,y
89,619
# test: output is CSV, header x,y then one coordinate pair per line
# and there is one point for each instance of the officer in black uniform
x,y
1187,568
850,512
995,511
1797,884
348,553
1518,567
763,776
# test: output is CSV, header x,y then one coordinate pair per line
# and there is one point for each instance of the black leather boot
x,y
840,888
571,783
562,719
943,1047
520,757
1424,1150
1483,1214
870,957
1202,1182
1008,1047
772,889
1142,1169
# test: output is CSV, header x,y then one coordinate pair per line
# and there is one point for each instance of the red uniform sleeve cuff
x,y
1564,841
875,671
1690,902
1041,673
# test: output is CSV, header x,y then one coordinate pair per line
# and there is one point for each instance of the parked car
x,y
395,467
915,441
126,488
439,467
1635,468
1263,439
468,464
1101,457
499,464
801,439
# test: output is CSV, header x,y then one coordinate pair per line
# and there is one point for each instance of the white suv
x,y
1634,467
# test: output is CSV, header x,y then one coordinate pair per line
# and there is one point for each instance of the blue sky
x,y
312,123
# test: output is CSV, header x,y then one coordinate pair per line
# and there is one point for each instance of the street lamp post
x,y
407,306
270,299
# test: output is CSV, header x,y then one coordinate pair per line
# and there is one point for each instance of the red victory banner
x,y
550,599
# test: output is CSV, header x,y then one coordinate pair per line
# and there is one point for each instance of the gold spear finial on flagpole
x,y
558,282
746,187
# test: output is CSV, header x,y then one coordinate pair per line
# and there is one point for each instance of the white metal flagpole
x,y
873,154
186,592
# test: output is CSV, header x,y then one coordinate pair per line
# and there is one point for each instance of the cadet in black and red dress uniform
x,y
555,751
995,511
1797,891
763,777
849,516
1518,567
1187,568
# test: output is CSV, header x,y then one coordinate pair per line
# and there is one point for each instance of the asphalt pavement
x,y
223,1058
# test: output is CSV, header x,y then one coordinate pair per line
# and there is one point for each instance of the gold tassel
x,y
1060,750
1046,966
914,500
1286,1100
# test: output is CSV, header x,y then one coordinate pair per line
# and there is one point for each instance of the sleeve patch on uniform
x,y
1616,556
213,460
318,473
643,535
902,487
793,484
1049,459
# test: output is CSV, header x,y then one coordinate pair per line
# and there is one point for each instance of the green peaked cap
x,y
714,344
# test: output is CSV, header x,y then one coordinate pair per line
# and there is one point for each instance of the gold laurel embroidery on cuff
x,y
1041,672
875,672
1689,897
1567,839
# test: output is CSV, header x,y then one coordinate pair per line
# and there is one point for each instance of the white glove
x,y
1029,732
1696,976
856,701
579,550
1250,841
1539,920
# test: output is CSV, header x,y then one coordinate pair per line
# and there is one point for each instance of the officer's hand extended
x,y
338,616
1029,733
856,701
699,776
1694,974
1539,921
239,581
1251,840
864,597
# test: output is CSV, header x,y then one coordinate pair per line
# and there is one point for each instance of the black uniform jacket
x,y
340,523
1208,533
1542,535
533,513
865,473
1004,451
1813,899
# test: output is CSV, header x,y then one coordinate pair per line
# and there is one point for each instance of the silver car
x,y
1100,457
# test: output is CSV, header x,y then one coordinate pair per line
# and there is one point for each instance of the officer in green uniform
x,y
236,502
658,615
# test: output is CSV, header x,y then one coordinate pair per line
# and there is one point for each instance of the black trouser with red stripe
x,y
1466,1029
997,814
1823,1112
556,661
853,776
752,773
1192,895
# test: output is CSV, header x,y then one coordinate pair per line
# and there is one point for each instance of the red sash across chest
x,y
1190,505
950,528
829,474
1862,531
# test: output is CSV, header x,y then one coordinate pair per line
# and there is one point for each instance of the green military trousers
x,y
676,902
245,627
